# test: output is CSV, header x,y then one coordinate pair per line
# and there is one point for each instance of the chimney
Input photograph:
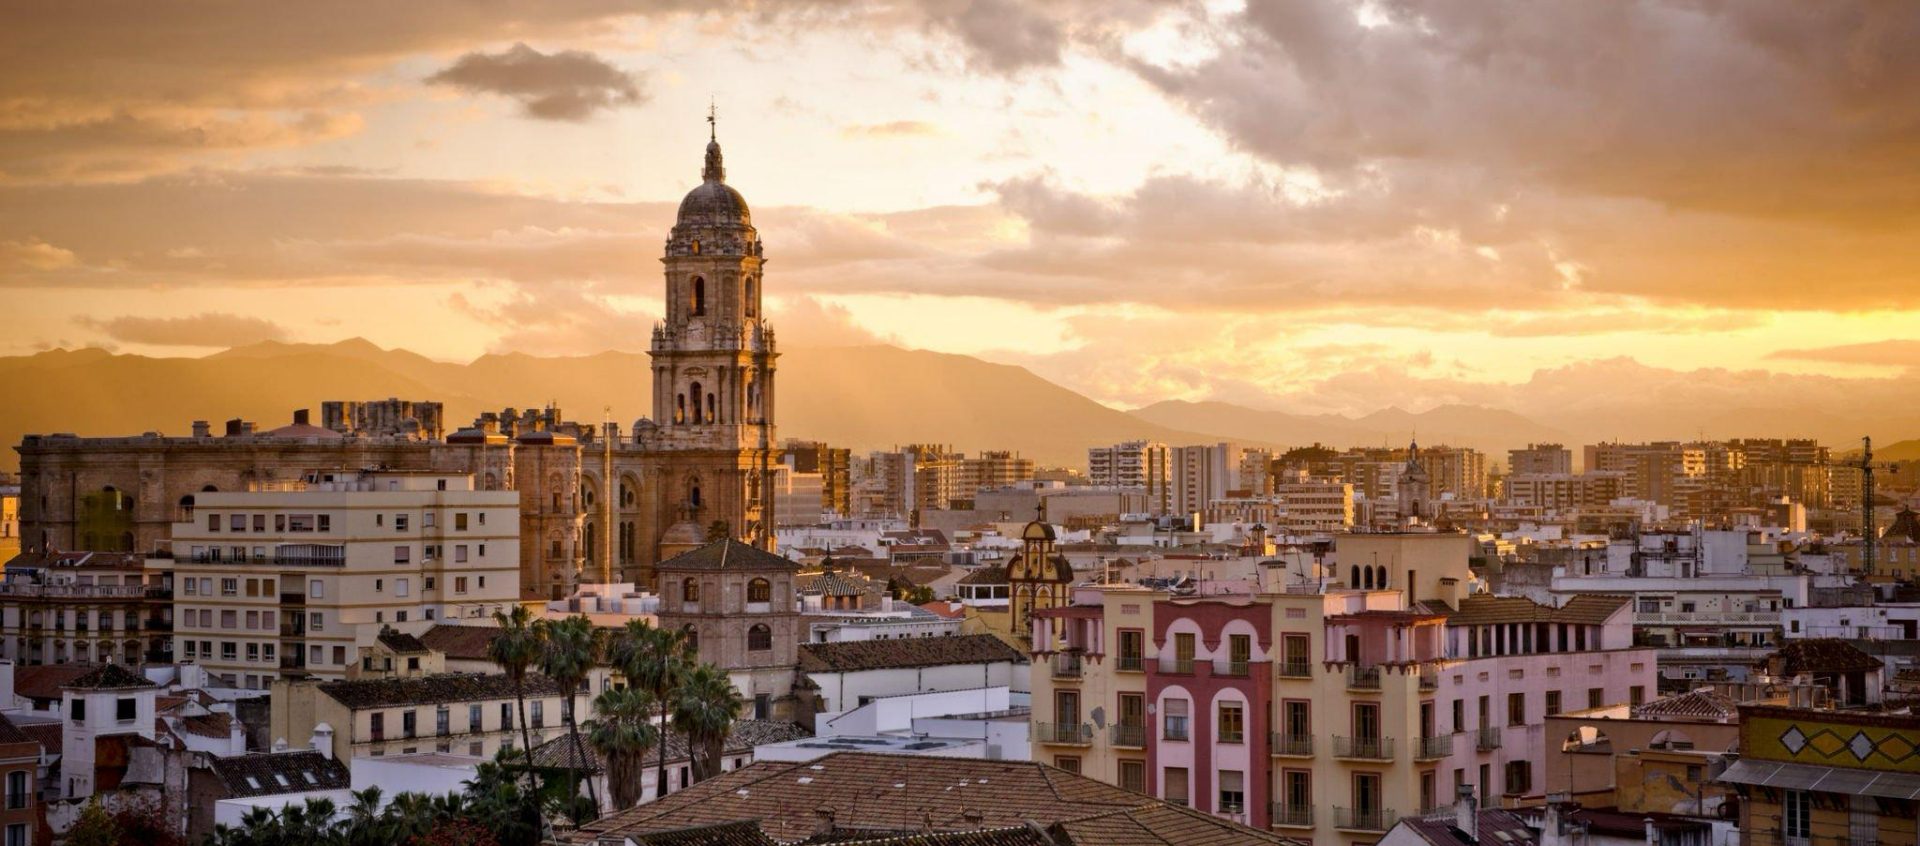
x,y
823,820
280,744
300,417
201,429
233,427
1464,816
322,740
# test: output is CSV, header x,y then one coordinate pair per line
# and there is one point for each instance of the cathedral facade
x,y
596,504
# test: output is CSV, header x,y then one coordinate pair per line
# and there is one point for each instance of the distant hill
x,y
1487,429
868,397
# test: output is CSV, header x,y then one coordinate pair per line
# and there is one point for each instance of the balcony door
x,y
1133,710
1066,707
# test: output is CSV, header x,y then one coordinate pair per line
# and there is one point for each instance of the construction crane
x,y
1869,528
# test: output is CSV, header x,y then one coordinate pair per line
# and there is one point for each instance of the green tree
x,y
572,645
718,530
515,648
654,659
95,827
622,731
705,710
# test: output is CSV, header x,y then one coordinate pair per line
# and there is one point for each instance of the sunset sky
x,y
1313,206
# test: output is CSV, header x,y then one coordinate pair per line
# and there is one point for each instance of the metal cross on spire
x,y
713,127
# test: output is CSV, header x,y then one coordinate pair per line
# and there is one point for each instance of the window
x,y
1296,798
213,522
459,584
229,587
17,834
1797,812
259,522
190,584
407,721
377,723
1459,715
506,716
1175,719
340,655
1366,721
759,590
1133,776
1132,649
1596,697
1174,790
474,718
237,522
1183,652
759,638
316,622
459,521
1233,793
1233,722
1366,793
253,651
229,651
1637,695
459,553
316,589
1070,763
426,519
401,586
227,619
1519,777
399,522
1296,723
1553,703
17,794
1294,656
442,718
78,713
326,522
689,591
1239,654
537,714
1516,709
126,709
402,554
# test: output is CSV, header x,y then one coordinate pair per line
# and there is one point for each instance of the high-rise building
x,y
833,465
992,469
1135,464
1539,459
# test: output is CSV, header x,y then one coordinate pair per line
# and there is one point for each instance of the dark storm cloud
x,y
564,85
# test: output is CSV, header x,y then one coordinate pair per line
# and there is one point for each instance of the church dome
x,y
714,202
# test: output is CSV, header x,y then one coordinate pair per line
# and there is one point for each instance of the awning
x,y
1840,780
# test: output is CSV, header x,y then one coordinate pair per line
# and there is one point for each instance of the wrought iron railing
x,y
1369,748
1364,819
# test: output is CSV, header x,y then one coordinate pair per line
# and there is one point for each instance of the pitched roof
x,y
748,833
401,642
726,554
43,681
468,643
943,608
745,735
51,735
273,773
1484,609
10,733
906,799
1695,704
427,690
992,574
1819,655
216,724
110,677
894,653
1497,827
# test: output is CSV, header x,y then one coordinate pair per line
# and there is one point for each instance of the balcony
x,y
1363,748
1292,745
1432,748
1297,669
1708,617
1176,665
1063,734
1292,816
1363,678
293,629
1066,665
157,625
293,599
1130,736
1237,669
1429,681
1488,739
1364,819
71,591
1130,664
293,662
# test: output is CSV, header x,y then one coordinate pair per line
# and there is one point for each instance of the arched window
x,y
712,406
692,638
699,296
759,638
186,508
759,590
1380,577
680,408
750,285
693,495
586,540
694,391
554,549
689,591
1353,577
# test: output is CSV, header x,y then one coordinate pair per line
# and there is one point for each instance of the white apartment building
x,y
293,580
1310,507
1135,464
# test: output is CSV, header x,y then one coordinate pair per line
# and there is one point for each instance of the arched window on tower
x,y
712,409
759,638
751,285
699,296
689,591
694,391
680,408
759,590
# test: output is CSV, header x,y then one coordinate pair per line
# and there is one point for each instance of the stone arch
x,y
759,638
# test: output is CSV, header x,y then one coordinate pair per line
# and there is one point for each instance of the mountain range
x,y
863,397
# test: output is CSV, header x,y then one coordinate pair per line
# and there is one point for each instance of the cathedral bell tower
x,y
713,366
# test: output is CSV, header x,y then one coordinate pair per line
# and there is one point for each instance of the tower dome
x,y
713,202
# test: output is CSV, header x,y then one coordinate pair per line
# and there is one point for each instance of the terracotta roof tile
x,y
1483,609
44,681
893,653
465,643
1697,704
446,687
726,554
1819,655
110,677
274,773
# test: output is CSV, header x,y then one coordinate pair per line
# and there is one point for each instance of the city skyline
x,y
1392,206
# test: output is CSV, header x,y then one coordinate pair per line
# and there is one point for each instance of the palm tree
x,y
572,645
622,732
658,657
515,649
705,710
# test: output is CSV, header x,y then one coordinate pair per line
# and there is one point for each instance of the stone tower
x,y
713,365
1039,577
1413,488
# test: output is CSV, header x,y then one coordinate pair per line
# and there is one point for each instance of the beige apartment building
x,y
295,579
461,713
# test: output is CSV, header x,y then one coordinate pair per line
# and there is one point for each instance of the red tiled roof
x,y
43,681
